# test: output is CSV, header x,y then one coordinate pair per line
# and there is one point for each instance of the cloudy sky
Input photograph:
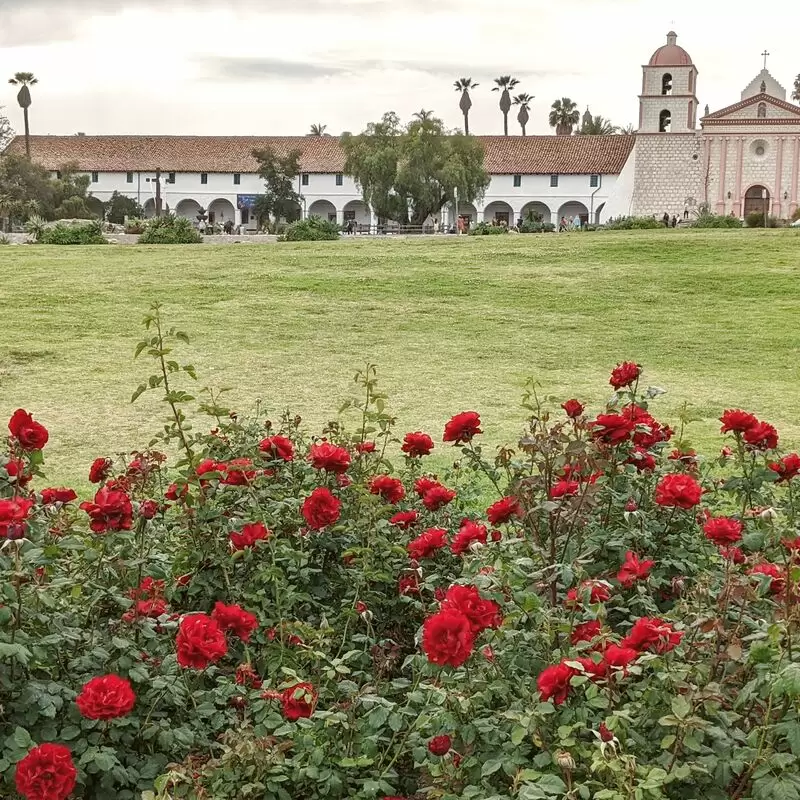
x,y
276,66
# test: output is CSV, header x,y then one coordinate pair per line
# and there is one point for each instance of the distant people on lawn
x,y
665,219
674,221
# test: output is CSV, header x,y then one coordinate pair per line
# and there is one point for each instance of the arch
x,y
573,208
537,209
666,84
149,208
598,213
96,207
665,121
324,209
468,213
762,110
358,211
188,208
499,211
221,211
755,201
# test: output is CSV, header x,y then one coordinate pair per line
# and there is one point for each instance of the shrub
x,y
755,219
135,226
598,612
487,229
311,229
120,206
796,215
633,224
716,221
35,228
85,233
536,226
4,239
170,229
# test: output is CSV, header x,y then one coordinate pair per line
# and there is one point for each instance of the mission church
x,y
741,159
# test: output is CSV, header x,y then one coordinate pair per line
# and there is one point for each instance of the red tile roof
x,y
529,155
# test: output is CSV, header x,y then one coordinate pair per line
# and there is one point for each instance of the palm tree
x,y
796,92
26,79
506,84
318,129
628,130
464,85
423,116
564,116
524,102
597,126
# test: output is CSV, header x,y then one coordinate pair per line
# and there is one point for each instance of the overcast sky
x,y
276,66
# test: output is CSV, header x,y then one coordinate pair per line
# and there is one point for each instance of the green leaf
x,y
681,707
22,738
490,767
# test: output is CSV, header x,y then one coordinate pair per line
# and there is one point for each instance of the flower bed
x,y
595,612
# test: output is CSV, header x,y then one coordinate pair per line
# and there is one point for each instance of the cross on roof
x,y
765,54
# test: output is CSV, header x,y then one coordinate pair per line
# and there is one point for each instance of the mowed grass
x,y
452,324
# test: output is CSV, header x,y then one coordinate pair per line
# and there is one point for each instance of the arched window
x,y
691,81
762,110
664,121
666,84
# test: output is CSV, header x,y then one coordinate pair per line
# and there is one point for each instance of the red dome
x,y
670,54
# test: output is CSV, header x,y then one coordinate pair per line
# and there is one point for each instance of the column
x,y
777,197
340,216
737,198
723,166
795,176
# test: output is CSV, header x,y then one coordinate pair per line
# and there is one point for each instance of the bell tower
x,y
668,102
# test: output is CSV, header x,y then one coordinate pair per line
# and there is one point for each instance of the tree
x,y
25,189
597,126
464,85
796,92
120,206
564,116
280,200
407,173
25,79
423,115
524,102
628,130
318,129
6,131
505,84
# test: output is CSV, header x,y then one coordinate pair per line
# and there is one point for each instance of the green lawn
x,y
453,324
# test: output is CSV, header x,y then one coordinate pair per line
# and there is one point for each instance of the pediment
x,y
746,111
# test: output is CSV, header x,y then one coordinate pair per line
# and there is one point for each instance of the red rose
x,y
200,641
51,496
633,570
148,509
733,554
447,638
652,634
249,534
365,447
723,530
597,591
15,469
467,600
625,374
404,519
174,493
238,472
619,657
611,429
235,619
776,575
563,489
147,609
390,489
298,701
468,533
573,408
421,485
643,460
631,506
504,510
321,509
787,468
437,497
554,682
440,745
687,458
586,631
417,444
606,735
329,457
678,491
762,436
208,465
106,697
110,511
30,435
13,514
277,448
408,584
46,773
462,427
647,430
248,677
426,544
736,421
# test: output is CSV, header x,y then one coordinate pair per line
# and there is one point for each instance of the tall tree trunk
x,y
27,134
466,123
523,129
505,123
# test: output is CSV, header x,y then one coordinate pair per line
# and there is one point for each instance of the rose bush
x,y
595,612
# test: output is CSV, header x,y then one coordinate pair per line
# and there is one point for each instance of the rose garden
x,y
249,609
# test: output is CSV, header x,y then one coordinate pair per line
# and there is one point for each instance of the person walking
x,y
674,221
665,219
